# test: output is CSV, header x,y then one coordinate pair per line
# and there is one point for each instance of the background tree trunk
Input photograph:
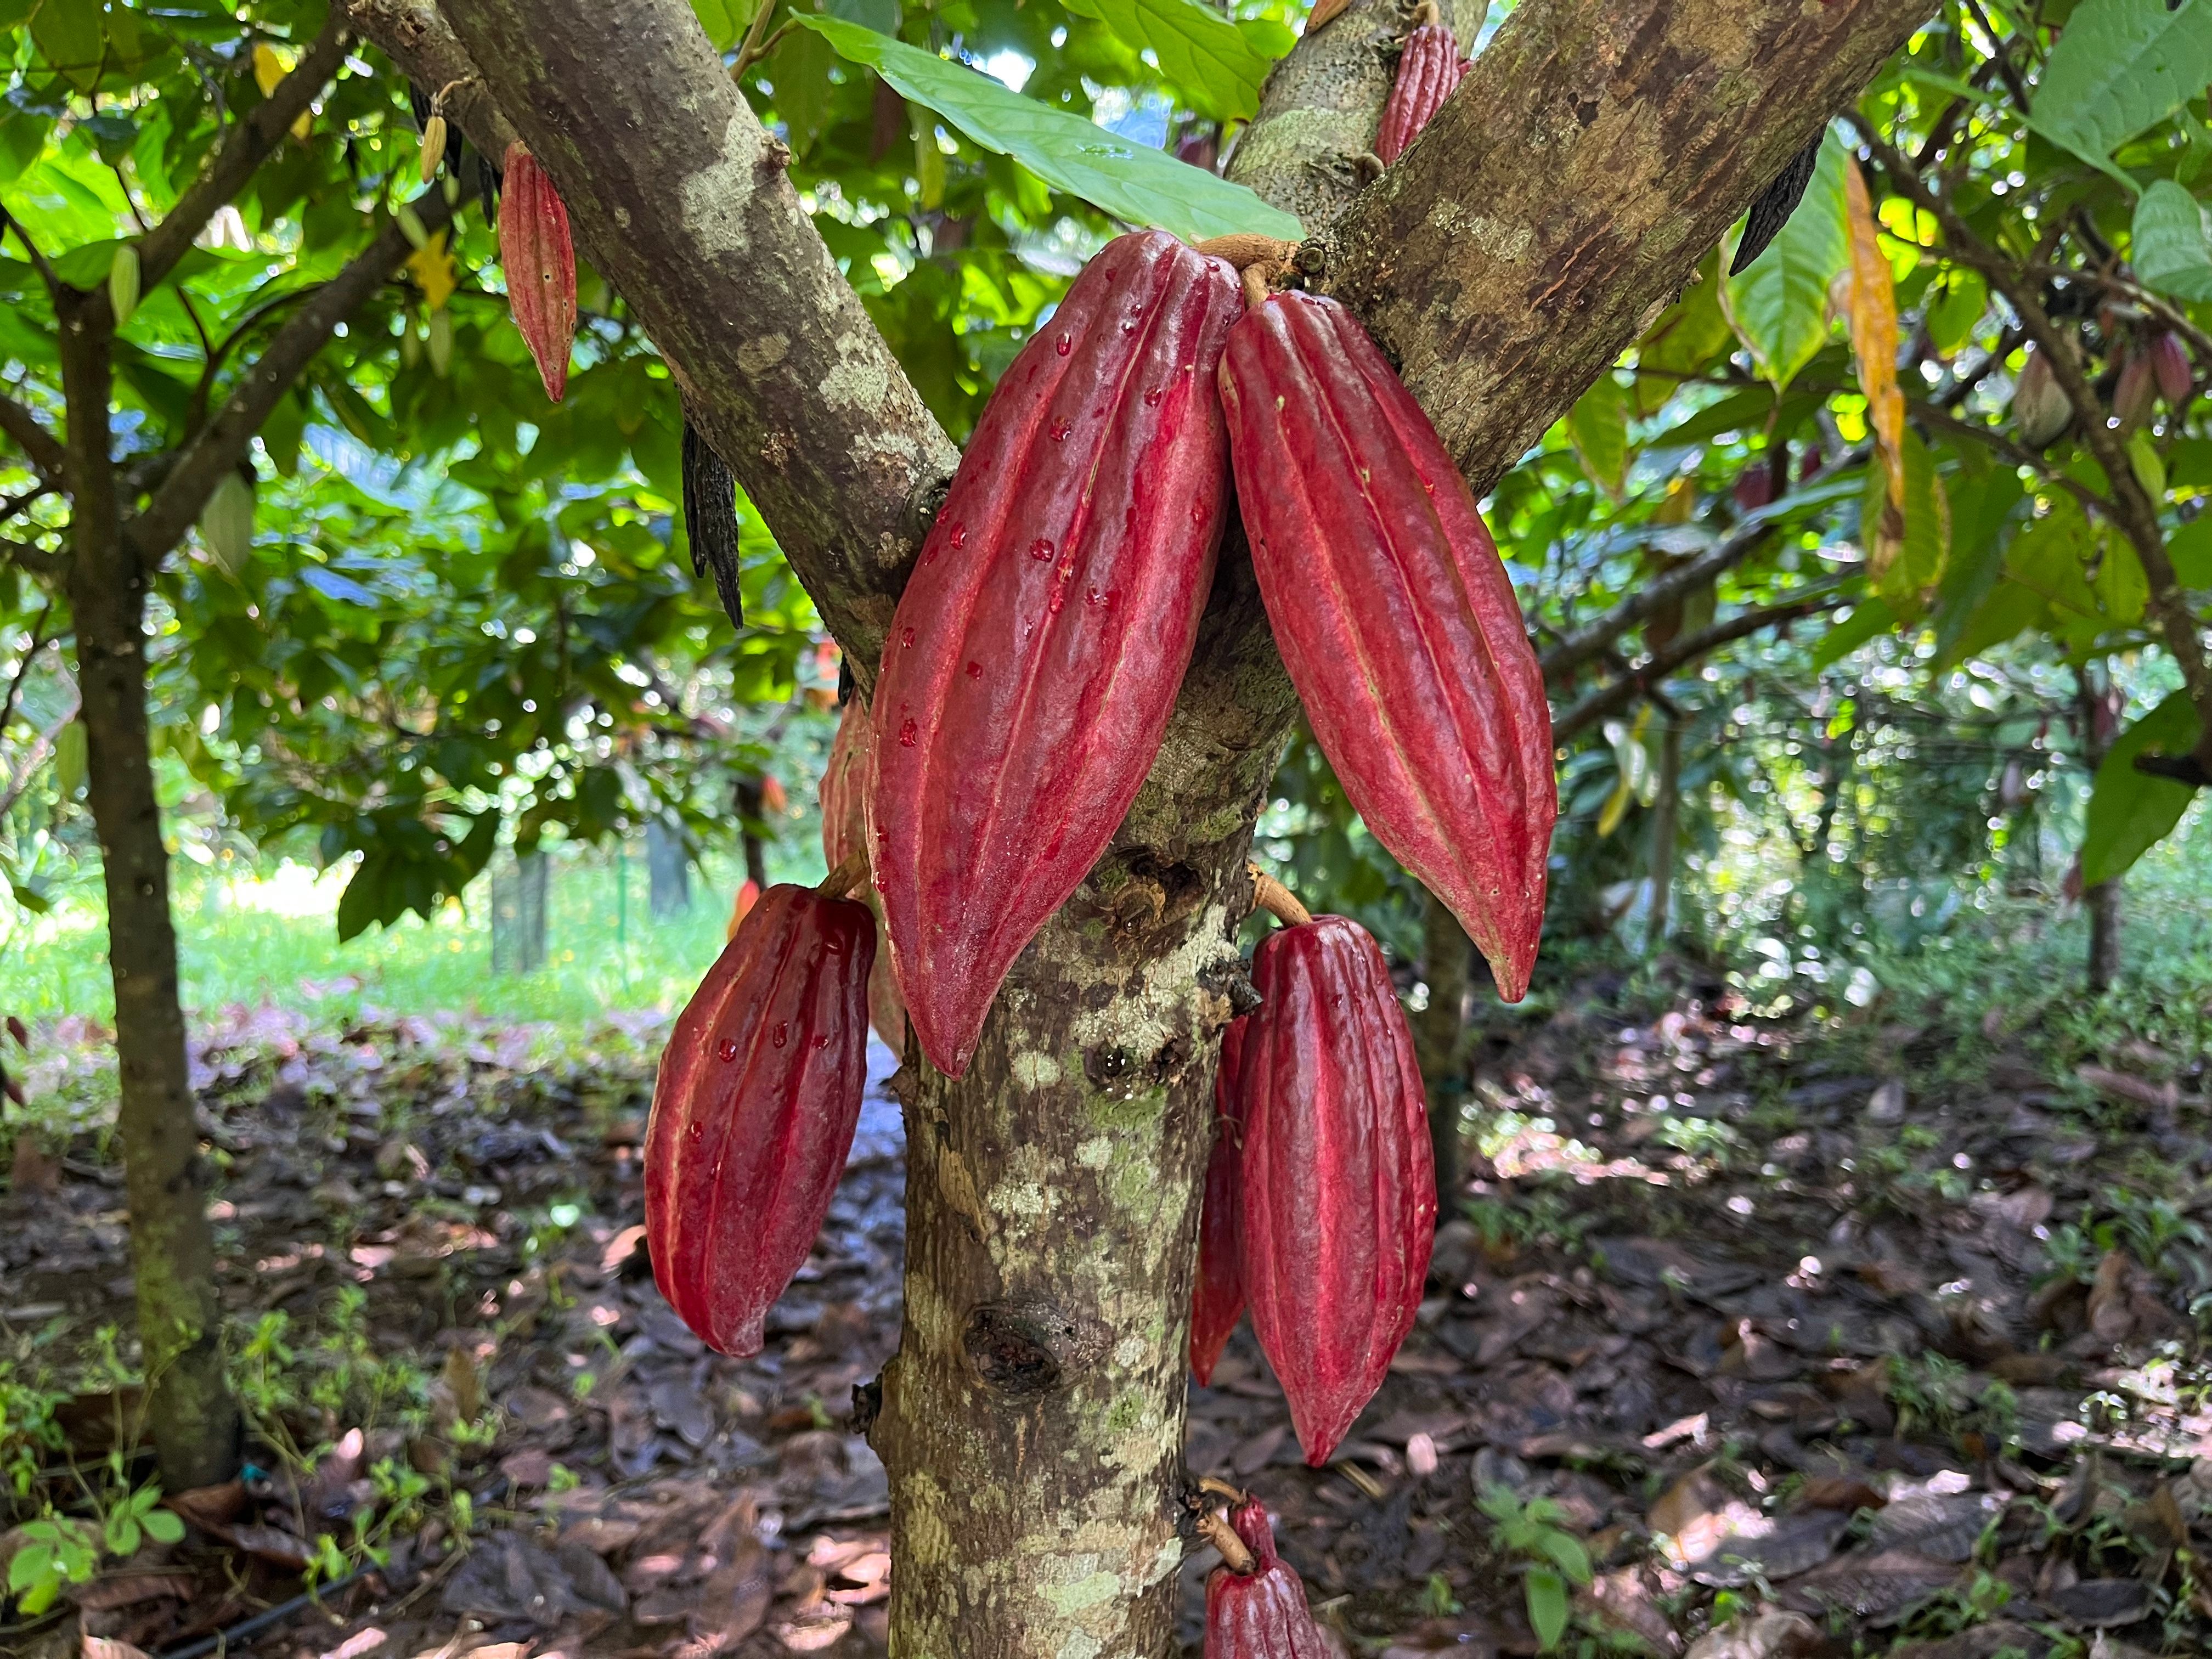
x,y
1438,1029
192,1419
2102,902
1665,813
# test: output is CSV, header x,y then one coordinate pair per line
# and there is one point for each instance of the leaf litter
x,y
1810,1352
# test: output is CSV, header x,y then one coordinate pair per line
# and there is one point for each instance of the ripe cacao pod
x,y
1338,1205
1217,1296
540,262
1034,656
754,1109
1429,70
1261,1614
844,800
2170,361
1396,618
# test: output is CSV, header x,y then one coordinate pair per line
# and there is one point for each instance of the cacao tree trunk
x,y
1438,1036
191,1416
1665,813
1032,1421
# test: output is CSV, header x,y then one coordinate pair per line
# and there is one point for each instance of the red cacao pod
x,y
1429,70
2136,391
1396,618
2169,360
1217,1297
1034,656
1261,1614
540,262
754,1109
844,800
1338,1205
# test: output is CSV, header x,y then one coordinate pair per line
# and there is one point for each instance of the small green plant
x,y
1553,1558
55,1553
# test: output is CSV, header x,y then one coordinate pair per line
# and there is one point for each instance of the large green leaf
x,y
1215,66
2121,66
1140,185
2169,251
1779,306
2131,811
1598,428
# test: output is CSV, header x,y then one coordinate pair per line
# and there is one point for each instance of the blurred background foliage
x,y
445,621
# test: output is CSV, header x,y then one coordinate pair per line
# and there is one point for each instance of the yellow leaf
x,y
434,271
267,68
1872,309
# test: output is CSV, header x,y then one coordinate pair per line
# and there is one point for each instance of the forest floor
x,y
1822,1338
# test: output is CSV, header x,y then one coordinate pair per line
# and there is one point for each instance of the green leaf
x,y
2169,251
1122,178
162,1527
1955,309
67,35
2191,549
1567,1554
1546,1594
1215,67
1779,306
2121,586
69,755
2121,66
1598,426
725,21
2130,811
86,267
1868,621
226,524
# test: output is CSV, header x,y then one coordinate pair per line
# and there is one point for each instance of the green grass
x,y
272,936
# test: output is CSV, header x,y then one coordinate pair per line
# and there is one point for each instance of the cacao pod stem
x,y
1276,899
1213,1527
846,875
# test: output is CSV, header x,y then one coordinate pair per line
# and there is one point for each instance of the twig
x,y
1612,699
23,667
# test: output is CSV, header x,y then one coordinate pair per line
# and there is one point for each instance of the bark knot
x,y
1022,1349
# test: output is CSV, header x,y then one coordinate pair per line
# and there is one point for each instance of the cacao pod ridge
x,y
1034,656
1338,1205
754,1109
1396,618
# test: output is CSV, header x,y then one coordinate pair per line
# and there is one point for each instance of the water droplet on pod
x,y
1152,399
909,734
974,670
1060,427
906,638
959,535
823,1040
782,1033
1063,345
1041,547
727,1048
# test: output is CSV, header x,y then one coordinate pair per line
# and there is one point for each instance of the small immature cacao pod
x,y
540,262
1429,70
1034,656
1394,617
1338,1205
2137,393
2169,360
1262,1615
2039,407
754,1109
1217,1296
844,799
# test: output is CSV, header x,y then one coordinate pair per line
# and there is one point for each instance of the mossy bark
x,y
191,1417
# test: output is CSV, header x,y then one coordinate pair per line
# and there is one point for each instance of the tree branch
x,y
634,115
30,433
217,448
51,566
1503,285
2129,507
1586,643
248,144
1613,698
